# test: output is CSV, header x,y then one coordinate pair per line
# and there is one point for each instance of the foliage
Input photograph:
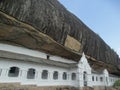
x,y
117,83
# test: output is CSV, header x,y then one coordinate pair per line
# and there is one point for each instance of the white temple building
x,y
27,67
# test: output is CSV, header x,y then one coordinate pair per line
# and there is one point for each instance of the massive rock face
x,y
51,18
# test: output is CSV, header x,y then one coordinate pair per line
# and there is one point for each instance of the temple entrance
x,y
85,78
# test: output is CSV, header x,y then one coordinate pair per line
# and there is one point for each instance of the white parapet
x,y
22,50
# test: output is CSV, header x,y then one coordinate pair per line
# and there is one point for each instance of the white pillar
x,y
36,74
23,76
61,76
39,75
80,77
68,78
89,76
89,79
4,75
50,75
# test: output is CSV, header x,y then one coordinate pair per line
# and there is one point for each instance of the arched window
x,y
13,72
73,76
64,76
55,75
101,79
45,74
92,78
31,73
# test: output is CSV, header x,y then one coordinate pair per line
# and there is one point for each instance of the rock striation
x,y
46,25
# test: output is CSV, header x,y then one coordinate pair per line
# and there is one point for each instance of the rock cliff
x,y
46,25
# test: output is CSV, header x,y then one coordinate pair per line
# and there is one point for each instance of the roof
x,y
111,75
21,57
100,71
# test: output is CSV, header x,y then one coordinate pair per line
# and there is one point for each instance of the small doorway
x,y
85,78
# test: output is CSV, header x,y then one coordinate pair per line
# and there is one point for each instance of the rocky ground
x,y
17,86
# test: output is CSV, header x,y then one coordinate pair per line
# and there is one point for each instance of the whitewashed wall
x,y
83,66
24,66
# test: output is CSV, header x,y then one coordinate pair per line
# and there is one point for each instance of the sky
x,y
101,16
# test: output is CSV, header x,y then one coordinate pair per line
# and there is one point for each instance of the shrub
x,y
117,83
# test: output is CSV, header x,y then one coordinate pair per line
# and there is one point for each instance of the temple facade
x,y
31,67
